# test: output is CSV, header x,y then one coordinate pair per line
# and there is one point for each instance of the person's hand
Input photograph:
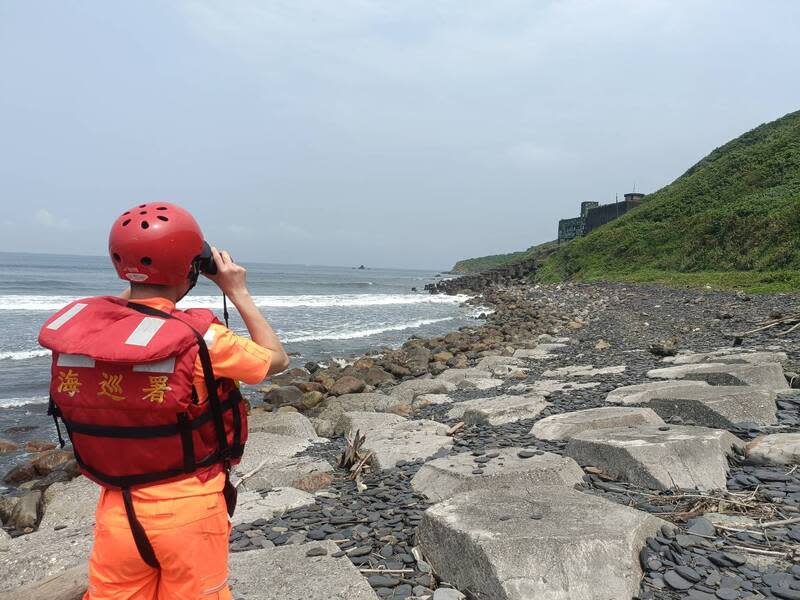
x,y
230,277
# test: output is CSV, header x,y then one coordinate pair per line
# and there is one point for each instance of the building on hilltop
x,y
593,216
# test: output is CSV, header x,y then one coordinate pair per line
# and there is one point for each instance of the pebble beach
x,y
599,442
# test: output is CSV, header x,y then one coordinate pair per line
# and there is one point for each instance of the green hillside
x,y
484,263
733,219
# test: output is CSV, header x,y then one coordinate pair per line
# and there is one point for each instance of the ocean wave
x,y
361,333
24,354
53,303
9,402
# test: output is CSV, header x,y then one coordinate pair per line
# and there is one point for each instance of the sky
x,y
381,132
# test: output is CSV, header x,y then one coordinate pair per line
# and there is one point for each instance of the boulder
x,y
584,371
548,543
254,505
46,462
7,446
20,474
297,572
376,376
769,375
311,400
27,511
5,541
37,446
708,405
391,438
347,385
407,391
280,396
498,410
776,449
289,424
566,425
658,457
442,478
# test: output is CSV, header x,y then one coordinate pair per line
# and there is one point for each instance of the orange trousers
x,y
190,539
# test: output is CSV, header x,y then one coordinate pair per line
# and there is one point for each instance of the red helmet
x,y
155,243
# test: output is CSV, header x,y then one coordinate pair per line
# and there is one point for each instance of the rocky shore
x,y
597,442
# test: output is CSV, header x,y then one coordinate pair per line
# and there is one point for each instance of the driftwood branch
x,y
69,585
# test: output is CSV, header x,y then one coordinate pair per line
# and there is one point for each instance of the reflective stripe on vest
x,y
75,360
145,331
57,323
162,366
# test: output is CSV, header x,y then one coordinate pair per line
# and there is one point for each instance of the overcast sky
x,y
387,132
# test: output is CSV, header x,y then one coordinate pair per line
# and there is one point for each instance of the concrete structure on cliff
x,y
593,216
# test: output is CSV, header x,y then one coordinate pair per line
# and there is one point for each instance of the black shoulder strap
x,y
208,373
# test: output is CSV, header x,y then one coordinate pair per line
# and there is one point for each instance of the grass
x,y
731,221
484,263
753,282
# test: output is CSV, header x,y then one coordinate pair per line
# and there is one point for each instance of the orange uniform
x,y
186,521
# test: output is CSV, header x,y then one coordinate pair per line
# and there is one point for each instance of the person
x,y
149,397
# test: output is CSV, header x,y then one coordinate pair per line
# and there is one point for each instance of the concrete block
x,y
291,424
478,384
730,356
769,375
776,449
391,438
498,410
288,573
456,375
488,363
254,505
407,391
442,478
566,425
584,371
707,405
658,458
544,542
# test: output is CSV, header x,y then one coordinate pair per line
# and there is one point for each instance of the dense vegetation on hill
x,y
484,263
737,211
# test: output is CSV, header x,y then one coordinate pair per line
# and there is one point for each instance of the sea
x,y
323,314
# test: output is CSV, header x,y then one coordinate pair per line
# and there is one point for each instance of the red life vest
x,y
122,383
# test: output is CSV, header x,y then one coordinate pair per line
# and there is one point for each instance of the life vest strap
x,y
140,538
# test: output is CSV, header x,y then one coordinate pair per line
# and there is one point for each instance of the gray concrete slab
x,y
442,478
584,371
498,410
658,458
288,573
407,391
289,423
482,384
707,405
769,375
776,449
543,542
728,355
566,425
456,375
490,362
254,505
391,438
325,420
269,461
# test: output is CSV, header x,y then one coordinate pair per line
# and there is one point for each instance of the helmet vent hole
x,y
117,257
162,208
145,224
125,222
144,212
161,218
142,205
127,212
146,260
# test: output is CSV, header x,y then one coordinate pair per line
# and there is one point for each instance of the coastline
x,y
483,362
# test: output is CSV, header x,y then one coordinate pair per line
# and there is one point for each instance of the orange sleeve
x,y
236,357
